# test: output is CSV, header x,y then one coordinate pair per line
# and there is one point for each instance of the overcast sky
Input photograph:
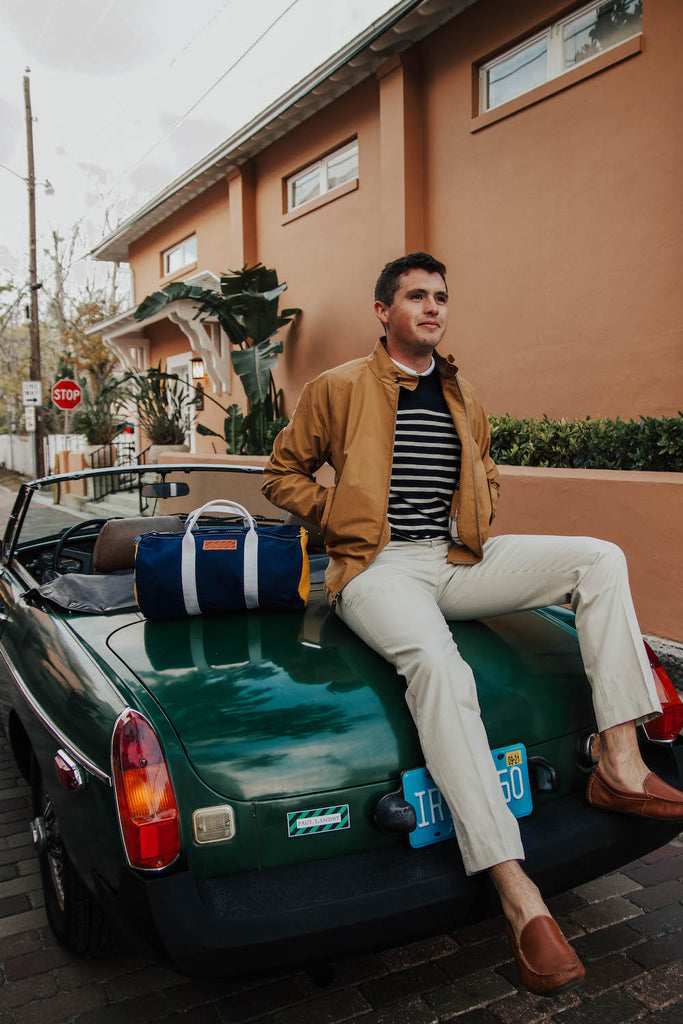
x,y
111,81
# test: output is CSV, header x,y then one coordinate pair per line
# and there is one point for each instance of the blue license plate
x,y
434,821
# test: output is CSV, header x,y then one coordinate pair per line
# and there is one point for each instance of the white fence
x,y
54,443
16,451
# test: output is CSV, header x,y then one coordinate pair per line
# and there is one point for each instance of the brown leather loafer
x,y
545,961
658,801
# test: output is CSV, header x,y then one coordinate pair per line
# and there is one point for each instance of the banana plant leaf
x,y
249,279
254,365
208,304
233,430
155,302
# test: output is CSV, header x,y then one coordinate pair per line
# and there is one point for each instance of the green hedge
x,y
650,443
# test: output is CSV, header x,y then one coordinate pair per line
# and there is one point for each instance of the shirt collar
x,y
414,373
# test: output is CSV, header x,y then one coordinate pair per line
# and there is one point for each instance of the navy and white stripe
x,y
426,464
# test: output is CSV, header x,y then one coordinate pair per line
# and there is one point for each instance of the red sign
x,y
66,394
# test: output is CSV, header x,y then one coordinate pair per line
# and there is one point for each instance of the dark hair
x,y
387,282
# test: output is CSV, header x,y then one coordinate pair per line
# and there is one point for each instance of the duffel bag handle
x,y
189,555
221,505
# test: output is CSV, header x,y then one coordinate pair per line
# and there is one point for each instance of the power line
x,y
201,32
194,106
46,24
86,39
123,112
179,120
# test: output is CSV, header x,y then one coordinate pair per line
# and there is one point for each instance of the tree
x,y
69,307
73,313
15,353
613,22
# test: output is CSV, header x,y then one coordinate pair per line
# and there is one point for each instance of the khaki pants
x,y
399,605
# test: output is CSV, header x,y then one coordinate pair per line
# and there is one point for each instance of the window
x,y
179,256
333,171
579,37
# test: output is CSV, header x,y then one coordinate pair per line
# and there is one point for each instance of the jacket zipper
x,y
474,465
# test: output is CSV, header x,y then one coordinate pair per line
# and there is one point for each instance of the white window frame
x,y
555,67
322,167
179,247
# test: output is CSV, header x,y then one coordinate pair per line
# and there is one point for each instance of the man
x,y
406,527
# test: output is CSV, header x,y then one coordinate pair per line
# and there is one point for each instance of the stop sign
x,y
66,394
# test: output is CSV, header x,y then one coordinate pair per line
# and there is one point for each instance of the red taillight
x,y
670,723
148,811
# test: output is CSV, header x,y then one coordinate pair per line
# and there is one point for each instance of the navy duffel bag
x,y
212,569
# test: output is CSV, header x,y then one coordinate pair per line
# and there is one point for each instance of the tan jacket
x,y
347,417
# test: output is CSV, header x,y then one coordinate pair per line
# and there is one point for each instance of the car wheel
x,y
74,915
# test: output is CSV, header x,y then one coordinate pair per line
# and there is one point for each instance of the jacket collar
x,y
386,370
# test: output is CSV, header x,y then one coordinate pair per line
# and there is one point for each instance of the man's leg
x,y
392,607
520,572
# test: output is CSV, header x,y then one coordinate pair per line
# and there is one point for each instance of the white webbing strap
x,y
188,556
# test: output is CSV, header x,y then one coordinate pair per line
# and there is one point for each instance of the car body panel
x,y
260,712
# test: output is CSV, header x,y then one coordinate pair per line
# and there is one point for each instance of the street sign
x,y
30,418
66,394
31,392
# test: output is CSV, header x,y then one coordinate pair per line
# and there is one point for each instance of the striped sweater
x,y
426,464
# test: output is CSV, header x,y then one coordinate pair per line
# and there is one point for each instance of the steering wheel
x,y
83,530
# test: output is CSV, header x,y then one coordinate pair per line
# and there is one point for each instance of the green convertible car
x,y
247,789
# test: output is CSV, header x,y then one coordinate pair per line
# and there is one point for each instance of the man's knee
x,y
609,554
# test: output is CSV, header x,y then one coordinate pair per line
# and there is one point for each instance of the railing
x,y
116,454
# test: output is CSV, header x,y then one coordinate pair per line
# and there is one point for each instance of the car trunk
x,y
269,705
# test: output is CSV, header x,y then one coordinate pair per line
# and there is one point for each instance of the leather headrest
x,y
115,545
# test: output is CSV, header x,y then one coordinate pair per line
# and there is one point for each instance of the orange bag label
x,y
219,545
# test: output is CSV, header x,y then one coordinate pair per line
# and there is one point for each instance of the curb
x,y
670,653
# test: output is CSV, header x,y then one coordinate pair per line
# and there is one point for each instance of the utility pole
x,y
33,275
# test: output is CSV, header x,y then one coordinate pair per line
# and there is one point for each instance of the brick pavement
x,y
627,927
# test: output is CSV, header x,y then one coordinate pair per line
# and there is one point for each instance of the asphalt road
x,y
627,927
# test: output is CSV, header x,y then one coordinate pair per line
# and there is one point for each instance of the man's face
x,y
416,320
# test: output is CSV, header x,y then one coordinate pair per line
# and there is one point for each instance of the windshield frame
x,y
12,535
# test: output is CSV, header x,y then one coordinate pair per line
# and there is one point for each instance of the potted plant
x,y
99,421
163,407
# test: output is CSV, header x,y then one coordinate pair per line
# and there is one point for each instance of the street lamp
x,y
49,188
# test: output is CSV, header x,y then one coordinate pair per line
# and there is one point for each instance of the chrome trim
x,y
587,761
136,867
657,743
74,767
51,727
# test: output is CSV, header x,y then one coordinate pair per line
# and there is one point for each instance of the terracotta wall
x,y
641,512
207,217
327,256
561,225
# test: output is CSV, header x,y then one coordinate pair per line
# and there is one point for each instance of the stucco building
x,y
533,146
535,152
